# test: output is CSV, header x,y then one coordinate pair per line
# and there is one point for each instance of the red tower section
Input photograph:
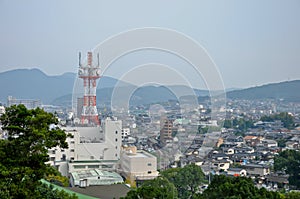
x,y
89,74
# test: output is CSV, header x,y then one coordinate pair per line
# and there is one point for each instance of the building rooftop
x,y
96,177
103,192
140,154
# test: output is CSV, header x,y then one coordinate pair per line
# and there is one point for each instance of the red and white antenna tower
x,y
89,73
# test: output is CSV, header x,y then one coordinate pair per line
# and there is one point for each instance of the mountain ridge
x,y
35,84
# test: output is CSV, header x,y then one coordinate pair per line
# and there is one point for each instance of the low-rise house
x,y
220,156
236,172
251,140
244,150
292,145
229,145
242,157
274,180
228,151
238,140
269,143
257,169
222,164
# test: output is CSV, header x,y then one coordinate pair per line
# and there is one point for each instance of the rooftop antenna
x,y
98,60
79,59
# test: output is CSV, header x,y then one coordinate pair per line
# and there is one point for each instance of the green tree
x,y
223,187
187,180
289,162
55,177
284,117
159,187
293,195
49,192
24,152
240,124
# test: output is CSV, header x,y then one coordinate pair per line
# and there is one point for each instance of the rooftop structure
x,y
94,177
28,103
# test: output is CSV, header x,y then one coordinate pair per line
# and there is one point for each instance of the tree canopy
x,y
223,187
288,161
25,150
284,117
187,180
159,187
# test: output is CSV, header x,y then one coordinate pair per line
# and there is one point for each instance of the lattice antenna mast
x,y
89,74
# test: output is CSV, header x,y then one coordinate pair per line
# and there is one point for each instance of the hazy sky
x,y
251,42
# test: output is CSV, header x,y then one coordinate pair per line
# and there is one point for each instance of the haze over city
x,y
252,43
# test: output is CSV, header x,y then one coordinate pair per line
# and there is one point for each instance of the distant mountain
x,y
288,91
141,95
57,90
34,84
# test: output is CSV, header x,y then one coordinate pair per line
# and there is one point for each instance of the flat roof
x,y
140,154
103,191
84,174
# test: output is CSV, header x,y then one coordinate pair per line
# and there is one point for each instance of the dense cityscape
x,y
127,150
149,99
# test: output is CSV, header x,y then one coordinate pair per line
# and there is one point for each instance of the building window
x,y
107,166
52,158
116,132
116,147
72,150
149,164
116,155
149,172
92,157
116,139
79,166
72,158
93,166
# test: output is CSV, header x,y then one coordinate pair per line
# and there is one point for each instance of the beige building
x,y
138,165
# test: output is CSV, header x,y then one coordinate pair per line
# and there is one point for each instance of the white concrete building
x,y
138,165
125,133
89,148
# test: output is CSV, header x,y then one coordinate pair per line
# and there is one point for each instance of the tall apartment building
x,y
166,128
89,148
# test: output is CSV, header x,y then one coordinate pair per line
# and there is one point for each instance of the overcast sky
x,y
251,42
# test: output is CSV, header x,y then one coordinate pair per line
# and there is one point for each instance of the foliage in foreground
x,y
223,187
160,187
25,151
173,183
187,180
288,161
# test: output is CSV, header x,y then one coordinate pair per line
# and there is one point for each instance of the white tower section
x,y
89,73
